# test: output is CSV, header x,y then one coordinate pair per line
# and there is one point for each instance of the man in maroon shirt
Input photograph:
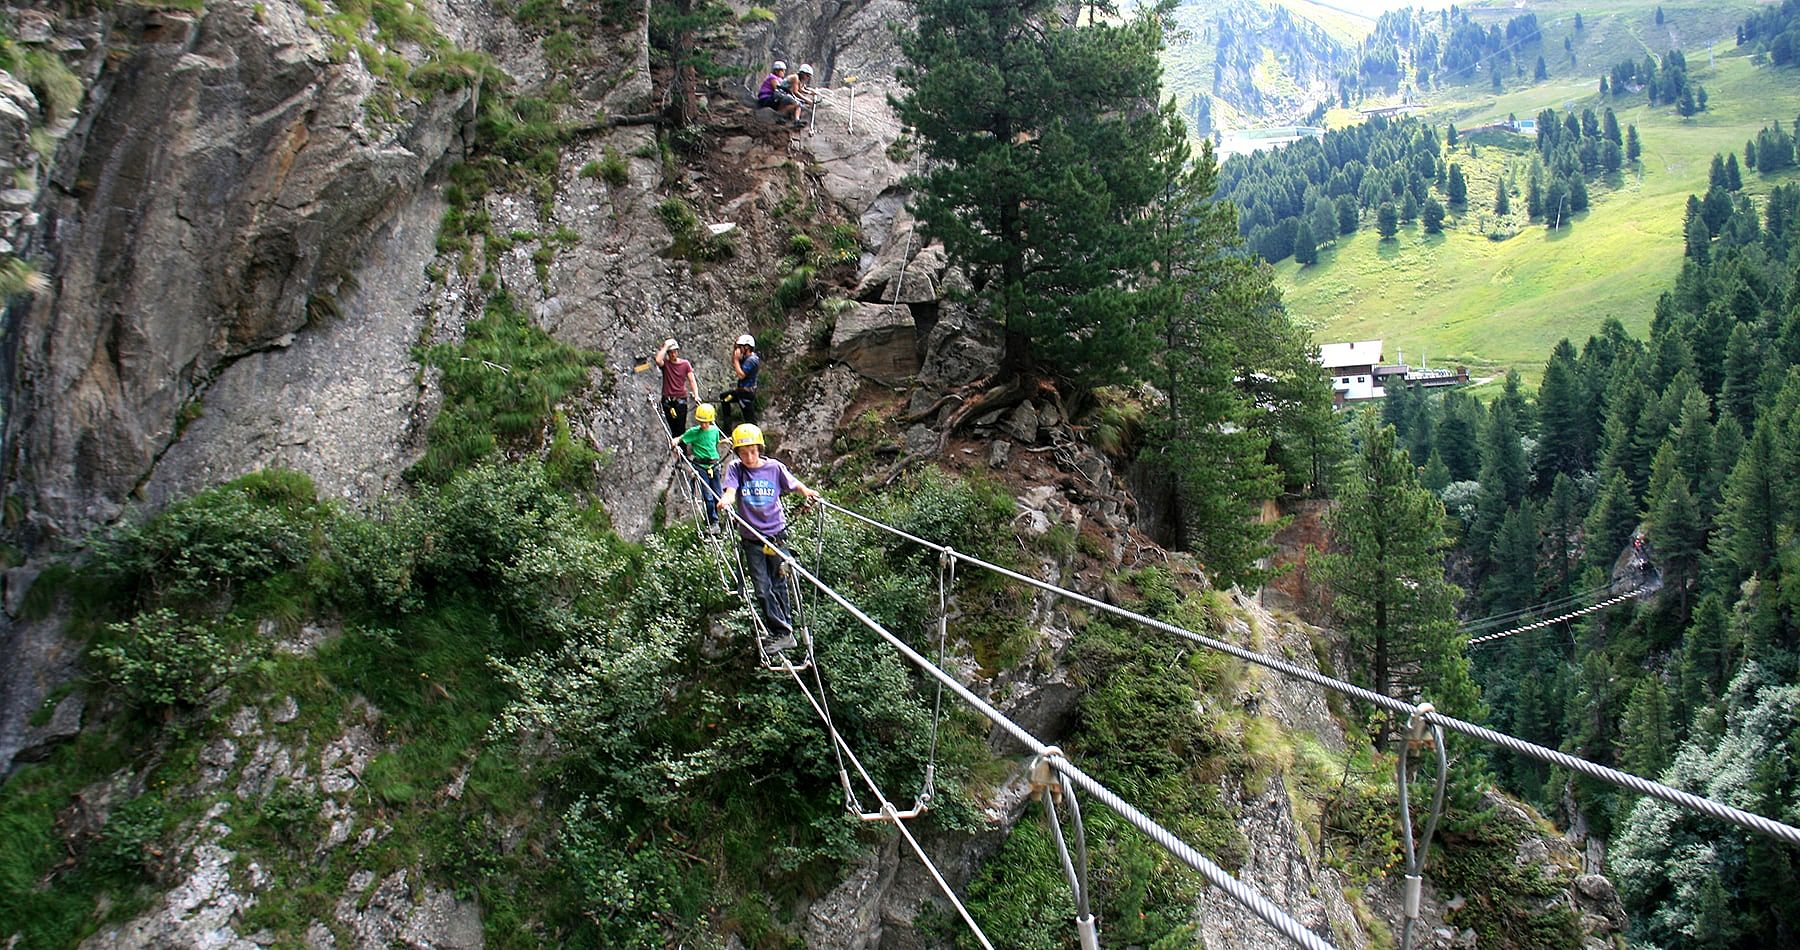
x,y
678,383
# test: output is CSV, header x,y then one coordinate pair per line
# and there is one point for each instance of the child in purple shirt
x,y
754,485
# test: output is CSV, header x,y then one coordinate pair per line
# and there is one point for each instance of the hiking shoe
x,y
785,643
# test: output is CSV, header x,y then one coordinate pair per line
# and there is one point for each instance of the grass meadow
x,y
1464,296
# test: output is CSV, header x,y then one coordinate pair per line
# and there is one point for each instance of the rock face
x,y
225,175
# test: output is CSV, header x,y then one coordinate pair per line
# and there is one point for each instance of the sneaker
x,y
785,643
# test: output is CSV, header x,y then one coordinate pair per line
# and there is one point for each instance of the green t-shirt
x,y
704,441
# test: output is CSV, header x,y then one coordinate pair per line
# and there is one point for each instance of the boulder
x,y
1022,423
879,341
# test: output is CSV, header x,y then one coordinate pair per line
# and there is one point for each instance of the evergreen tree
x,y
1238,374
1409,208
1512,561
1647,733
1324,222
1386,572
1578,23
1503,475
1734,179
1609,125
1659,16
1751,514
1676,530
1347,215
1743,375
1541,72
1632,148
1502,205
1610,523
1305,250
1035,184
1534,191
1611,158
1435,475
1562,531
1565,439
1450,136
1457,190
1433,216
1387,221
1705,655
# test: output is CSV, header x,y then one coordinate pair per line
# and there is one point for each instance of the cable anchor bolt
x,y
1043,776
1416,725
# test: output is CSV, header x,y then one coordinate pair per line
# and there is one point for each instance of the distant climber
x,y
745,365
702,442
799,85
774,94
678,382
754,485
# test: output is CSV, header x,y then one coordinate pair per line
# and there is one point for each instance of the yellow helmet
x,y
705,412
746,434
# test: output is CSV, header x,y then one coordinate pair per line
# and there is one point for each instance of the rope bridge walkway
x,y
1055,778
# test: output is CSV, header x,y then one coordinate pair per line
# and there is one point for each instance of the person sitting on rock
x,y
754,484
799,85
773,93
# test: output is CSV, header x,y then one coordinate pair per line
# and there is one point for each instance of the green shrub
x,y
123,845
159,659
245,531
501,386
614,169
796,287
691,241
290,809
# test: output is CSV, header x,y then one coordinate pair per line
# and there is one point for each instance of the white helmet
x,y
747,340
778,67
670,344
806,69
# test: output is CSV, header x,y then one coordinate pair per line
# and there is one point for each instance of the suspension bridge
x,y
1055,777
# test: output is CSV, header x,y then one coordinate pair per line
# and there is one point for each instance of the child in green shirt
x,y
702,440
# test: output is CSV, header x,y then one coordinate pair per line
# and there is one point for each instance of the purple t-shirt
x,y
767,91
759,494
675,371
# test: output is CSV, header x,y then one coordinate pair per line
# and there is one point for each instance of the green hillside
x,y
1461,297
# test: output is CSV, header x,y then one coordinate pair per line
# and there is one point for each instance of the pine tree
x,y
1541,72
1659,16
1503,475
1347,215
1565,440
1238,370
1647,734
1610,523
1036,184
1609,125
1409,207
1734,179
1433,216
1534,191
1502,205
1676,530
1435,475
1305,250
1512,561
1458,189
1386,571
1562,531
1751,514
1387,221
1743,375
1450,135
1705,655
1632,148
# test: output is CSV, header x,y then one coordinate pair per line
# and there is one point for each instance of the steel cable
x,y
1626,780
1552,621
